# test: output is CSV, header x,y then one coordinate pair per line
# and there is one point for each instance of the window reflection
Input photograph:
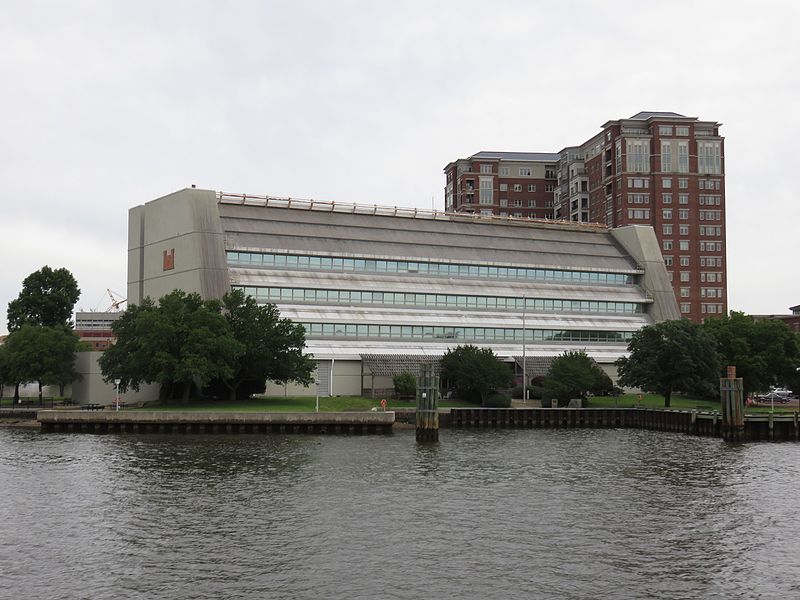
x,y
276,294
290,261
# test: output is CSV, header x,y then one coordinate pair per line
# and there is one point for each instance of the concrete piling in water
x,y
731,391
427,416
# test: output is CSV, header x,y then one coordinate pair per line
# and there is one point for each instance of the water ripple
x,y
506,514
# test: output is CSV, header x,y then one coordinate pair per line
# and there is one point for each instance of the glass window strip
x,y
439,300
497,334
286,261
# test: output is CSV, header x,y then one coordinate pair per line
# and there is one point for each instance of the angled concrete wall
x,y
641,243
186,226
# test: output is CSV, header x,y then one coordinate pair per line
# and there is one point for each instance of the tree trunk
x,y
40,391
187,388
667,398
232,391
16,392
61,387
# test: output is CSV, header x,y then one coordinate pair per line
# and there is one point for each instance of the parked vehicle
x,y
781,391
775,397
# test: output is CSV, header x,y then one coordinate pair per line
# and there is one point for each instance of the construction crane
x,y
116,301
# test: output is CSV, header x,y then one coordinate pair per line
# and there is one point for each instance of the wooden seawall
x,y
778,427
358,423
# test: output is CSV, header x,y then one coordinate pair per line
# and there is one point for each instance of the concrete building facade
x,y
381,290
659,169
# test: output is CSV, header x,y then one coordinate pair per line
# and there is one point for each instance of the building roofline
x,y
401,211
532,157
659,116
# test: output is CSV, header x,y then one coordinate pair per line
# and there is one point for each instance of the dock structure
x,y
427,413
756,427
188,422
731,393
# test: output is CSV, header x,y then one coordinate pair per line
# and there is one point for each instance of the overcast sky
x,y
106,105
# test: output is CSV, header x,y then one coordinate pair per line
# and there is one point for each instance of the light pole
x,y
316,385
524,355
116,387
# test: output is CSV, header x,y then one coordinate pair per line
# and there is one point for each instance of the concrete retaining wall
x,y
108,421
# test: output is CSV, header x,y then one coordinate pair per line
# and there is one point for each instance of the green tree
x,y
405,384
765,352
475,372
572,375
180,342
272,346
47,298
3,371
45,355
671,356
63,345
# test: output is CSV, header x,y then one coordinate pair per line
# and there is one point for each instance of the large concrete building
x,y
380,290
660,169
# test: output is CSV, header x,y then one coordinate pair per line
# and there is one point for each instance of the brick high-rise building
x,y
509,184
660,169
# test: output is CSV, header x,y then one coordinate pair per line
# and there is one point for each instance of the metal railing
x,y
389,211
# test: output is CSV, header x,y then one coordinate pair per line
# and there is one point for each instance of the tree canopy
x,y
474,372
671,356
765,352
572,375
47,298
45,355
272,347
181,341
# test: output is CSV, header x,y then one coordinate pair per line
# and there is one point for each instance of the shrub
x,y
497,401
534,392
405,385
475,372
572,375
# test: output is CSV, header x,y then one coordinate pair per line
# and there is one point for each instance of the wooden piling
x,y
731,391
427,416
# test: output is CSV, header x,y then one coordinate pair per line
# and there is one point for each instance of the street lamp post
x,y
116,387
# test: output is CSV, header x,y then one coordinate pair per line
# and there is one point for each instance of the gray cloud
x,y
109,104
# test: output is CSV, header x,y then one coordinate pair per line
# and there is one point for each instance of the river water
x,y
495,514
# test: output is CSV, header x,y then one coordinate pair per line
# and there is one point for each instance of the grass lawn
x,y
357,403
677,402
289,404
28,401
650,401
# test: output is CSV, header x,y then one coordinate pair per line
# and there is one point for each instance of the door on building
x,y
324,377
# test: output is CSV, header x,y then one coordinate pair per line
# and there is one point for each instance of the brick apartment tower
x,y
656,168
509,184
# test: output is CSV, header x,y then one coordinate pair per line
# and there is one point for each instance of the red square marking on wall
x,y
169,259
